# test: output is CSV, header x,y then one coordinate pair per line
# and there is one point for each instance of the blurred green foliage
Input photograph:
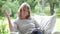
x,y
35,7
3,27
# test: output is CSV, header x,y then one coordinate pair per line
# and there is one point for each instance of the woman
x,y
25,24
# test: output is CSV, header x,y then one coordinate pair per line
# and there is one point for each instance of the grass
x,y
58,24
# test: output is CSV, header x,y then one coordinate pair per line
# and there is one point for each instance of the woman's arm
x,y
37,25
9,21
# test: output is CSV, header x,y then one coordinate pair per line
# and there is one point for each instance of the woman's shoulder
x,y
16,20
33,19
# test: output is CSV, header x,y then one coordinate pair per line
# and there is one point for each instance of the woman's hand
x,y
7,15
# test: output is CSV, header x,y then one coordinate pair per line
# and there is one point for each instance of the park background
x,y
39,7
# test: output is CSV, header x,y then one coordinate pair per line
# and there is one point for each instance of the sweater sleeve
x,y
36,24
15,29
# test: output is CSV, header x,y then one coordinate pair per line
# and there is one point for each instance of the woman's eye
x,y
24,9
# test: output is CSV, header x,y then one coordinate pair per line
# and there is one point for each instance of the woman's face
x,y
24,12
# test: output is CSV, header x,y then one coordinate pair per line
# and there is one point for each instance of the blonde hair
x,y
22,5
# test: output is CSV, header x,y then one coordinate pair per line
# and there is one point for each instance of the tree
x,y
53,3
51,7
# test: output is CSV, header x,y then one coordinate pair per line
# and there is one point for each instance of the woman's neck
x,y
25,18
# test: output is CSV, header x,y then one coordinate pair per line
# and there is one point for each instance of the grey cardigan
x,y
25,26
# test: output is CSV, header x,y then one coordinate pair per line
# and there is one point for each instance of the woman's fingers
x,y
6,14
